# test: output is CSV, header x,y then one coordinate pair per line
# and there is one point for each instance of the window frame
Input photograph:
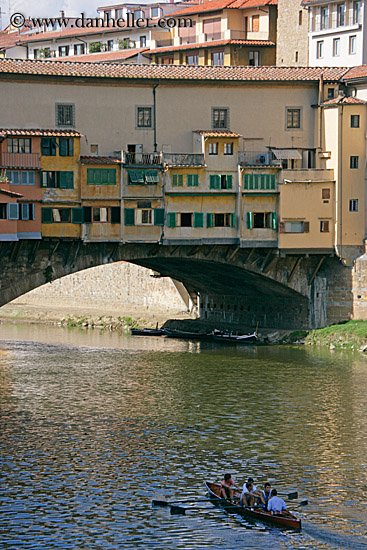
x,y
320,49
213,148
26,144
220,58
353,205
61,120
355,121
254,58
354,162
140,108
228,148
219,111
293,109
336,50
353,44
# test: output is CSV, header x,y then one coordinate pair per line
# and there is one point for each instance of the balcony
x,y
184,159
21,160
307,175
141,159
258,158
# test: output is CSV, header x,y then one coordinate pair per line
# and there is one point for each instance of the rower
x,y
277,506
265,495
226,487
249,493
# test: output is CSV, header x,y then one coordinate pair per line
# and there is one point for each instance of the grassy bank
x,y
349,335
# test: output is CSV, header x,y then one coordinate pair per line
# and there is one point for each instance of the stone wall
x,y
360,288
116,284
291,36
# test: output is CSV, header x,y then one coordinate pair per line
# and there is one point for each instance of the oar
x,y
303,503
164,503
291,496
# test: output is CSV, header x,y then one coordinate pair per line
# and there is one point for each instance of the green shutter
x,y
158,216
90,176
171,219
129,216
272,181
112,176
273,220
214,182
46,215
196,180
209,220
66,180
192,180
229,182
245,181
189,180
63,147
198,219
233,220
250,220
77,215
174,180
45,146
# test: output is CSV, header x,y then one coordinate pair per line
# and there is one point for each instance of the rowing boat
x,y
230,338
250,512
147,331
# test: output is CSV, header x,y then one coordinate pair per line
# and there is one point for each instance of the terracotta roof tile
x,y
356,72
216,5
132,71
99,160
212,44
217,133
102,57
10,193
37,132
342,100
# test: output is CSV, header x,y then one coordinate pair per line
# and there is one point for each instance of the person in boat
x,y
276,505
227,486
250,494
266,495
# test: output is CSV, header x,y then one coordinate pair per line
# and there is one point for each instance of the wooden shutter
x,y
229,182
198,219
273,220
46,215
214,182
158,216
255,23
13,211
281,227
129,216
63,147
77,215
209,220
306,227
87,214
172,219
233,220
66,180
24,211
250,220
272,181
326,193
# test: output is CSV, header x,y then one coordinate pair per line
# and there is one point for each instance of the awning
x,y
285,154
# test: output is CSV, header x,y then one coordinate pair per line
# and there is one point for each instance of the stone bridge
x,y
236,285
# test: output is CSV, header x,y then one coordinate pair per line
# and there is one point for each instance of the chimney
x,y
62,13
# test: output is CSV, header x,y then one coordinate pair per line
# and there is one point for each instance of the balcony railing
x,y
258,158
146,159
184,159
21,160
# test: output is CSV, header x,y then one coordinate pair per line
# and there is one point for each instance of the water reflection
x,y
89,434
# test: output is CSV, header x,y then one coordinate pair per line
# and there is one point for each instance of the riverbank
x,y
349,335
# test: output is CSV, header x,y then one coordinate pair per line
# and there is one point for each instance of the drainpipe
x,y
340,183
321,86
239,202
154,117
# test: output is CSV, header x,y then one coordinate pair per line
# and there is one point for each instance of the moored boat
x,y
172,333
147,331
249,512
230,338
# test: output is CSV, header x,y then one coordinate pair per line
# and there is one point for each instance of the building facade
x,y
292,34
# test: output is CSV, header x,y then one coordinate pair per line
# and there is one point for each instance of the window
x,y
13,211
354,162
19,145
222,220
66,147
61,215
296,57
36,54
3,212
336,47
352,44
107,15
144,217
63,51
357,12
330,93
324,226
177,180
94,149
167,61
294,227
293,117
320,49
255,23
340,16
259,181
101,176
27,178
213,148
326,193
143,41
186,220
13,177
118,14
48,147
26,211
353,205
220,118
192,59
261,220
354,121
154,12
218,58
228,148
139,14
79,49
300,17
100,215
65,114
254,59
144,117
110,45
223,181
61,180
192,180
325,18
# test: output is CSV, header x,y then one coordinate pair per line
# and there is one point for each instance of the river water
x,y
95,424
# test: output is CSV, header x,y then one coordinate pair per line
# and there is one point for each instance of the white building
x,y
336,33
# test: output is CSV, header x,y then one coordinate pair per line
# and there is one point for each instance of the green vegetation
x,y
296,337
102,322
346,335
95,47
